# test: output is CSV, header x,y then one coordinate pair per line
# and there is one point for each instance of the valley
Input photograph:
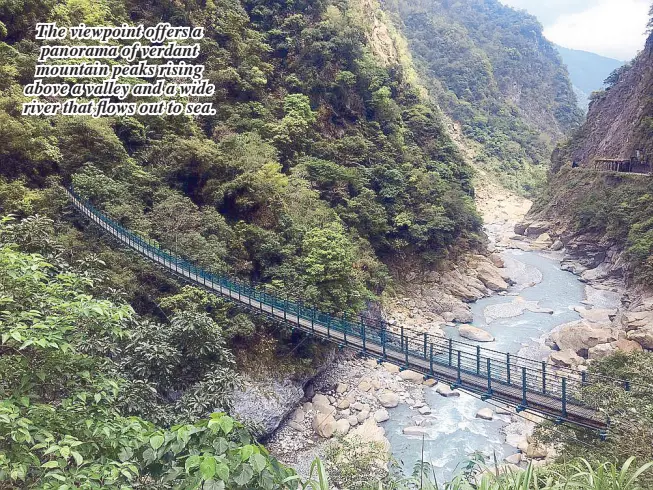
x,y
185,300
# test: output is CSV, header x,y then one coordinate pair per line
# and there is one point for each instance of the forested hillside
x,y
490,69
322,164
316,149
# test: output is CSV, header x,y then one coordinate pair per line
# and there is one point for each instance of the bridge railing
x,y
463,359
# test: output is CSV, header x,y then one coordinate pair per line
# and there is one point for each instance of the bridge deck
x,y
515,393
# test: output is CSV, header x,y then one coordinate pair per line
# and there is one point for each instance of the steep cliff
x,y
620,118
596,211
493,72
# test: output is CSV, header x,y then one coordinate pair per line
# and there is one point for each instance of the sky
x,y
612,28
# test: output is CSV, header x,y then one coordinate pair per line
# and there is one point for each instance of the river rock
x,y
324,425
408,375
322,404
342,427
429,382
643,336
566,358
446,391
353,420
497,261
388,399
381,415
364,386
358,406
424,410
448,317
514,459
415,431
536,451
537,228
580,336
344,403
485,414
475,334
341,388
490,276
391,368
362,416
557,246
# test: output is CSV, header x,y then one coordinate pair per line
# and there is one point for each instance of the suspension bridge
x,y
558,394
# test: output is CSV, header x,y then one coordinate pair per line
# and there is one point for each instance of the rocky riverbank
x,y
615,316
354,399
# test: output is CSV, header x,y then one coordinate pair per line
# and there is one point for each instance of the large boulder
x,y
601,351
566,358
381,415
497,261
413,376
475,334
370,432
643,336
324,425
321,403
580,336
485,414
633,320
627,346
520,228
342,427
265,404
596,315
388,399
462,314
490,277
537,229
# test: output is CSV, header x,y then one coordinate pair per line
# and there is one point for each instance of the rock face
x,y
476,334
265,404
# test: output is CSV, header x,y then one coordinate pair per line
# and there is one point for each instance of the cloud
x,y
549,11
614,28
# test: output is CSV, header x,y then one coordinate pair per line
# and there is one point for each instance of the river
x,y
454,433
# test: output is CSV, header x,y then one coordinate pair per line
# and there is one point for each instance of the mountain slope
x,y
587,71
490,69
620,118
612,209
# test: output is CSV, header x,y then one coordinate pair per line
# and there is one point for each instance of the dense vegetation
x,y
319,167
491,69
319,164
616,207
